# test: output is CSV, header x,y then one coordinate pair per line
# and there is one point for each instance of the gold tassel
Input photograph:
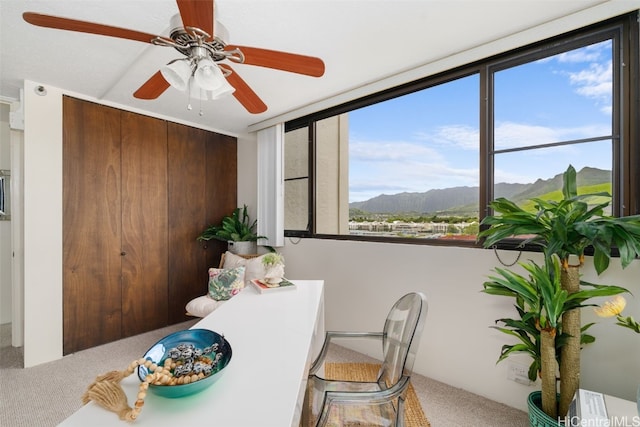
x,y
110,396
107,392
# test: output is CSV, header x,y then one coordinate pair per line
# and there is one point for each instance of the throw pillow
x,y
225,283
253,266
202,306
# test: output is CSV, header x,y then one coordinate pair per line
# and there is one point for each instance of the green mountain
x,y
464,200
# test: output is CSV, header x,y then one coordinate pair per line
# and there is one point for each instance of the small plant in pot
x,y
564,229
238,230
273,263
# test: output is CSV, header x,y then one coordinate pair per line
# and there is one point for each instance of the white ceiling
x,y
360,41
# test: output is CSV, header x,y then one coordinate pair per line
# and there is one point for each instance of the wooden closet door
x,y
187,193
92,296
145,251
202,189
222,181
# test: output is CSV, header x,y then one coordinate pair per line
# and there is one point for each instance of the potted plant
x,y
563,229
273,263
541,302
236,229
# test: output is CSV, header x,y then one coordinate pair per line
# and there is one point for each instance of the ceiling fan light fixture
x,y
195,43
222,91
207,75
195,92
177,73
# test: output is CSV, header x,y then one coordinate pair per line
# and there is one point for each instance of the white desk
x,y
622,412
273,338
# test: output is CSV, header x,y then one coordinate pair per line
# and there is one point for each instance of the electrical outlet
x,y
518,373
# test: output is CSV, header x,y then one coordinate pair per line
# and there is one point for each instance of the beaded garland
x,y
185,364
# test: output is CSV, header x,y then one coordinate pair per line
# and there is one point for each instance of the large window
x,y
420,163
555,111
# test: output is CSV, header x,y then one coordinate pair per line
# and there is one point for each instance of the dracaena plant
x,y
540,302
236,227
565,228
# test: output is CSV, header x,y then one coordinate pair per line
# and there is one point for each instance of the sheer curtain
x,y
271,185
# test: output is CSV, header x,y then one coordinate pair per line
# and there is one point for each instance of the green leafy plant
x,y
272,258
236,227
541,302
566,228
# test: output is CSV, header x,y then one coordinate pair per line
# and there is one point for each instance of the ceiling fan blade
x,y
152,88
197,13
244,94
294,63
85,27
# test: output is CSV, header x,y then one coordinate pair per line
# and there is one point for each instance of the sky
x,y
429,139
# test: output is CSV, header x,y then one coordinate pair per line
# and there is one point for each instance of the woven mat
x,y
414,415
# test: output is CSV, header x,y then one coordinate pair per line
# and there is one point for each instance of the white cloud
x,y
461,136
594,82
391,167
384,167
586,54
511,135
414,178
387,151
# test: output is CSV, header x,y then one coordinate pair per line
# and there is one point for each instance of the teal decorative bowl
x,y
212,345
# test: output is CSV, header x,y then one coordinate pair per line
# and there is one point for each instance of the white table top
x,y
271,337
621,409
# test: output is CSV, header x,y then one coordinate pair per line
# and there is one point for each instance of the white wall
x,y
42,225
458,347
5,226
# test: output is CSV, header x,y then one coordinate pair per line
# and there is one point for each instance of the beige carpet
x,y
414,415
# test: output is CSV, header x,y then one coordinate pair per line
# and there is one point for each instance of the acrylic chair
x,y
379,403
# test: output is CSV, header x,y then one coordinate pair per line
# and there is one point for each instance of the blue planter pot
x,y
537,417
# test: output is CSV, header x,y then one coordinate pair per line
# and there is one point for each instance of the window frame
x,y
310,177
625,121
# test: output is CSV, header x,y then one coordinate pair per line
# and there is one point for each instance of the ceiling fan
x,y
193,36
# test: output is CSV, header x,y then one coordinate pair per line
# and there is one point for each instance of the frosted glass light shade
x,y
224,90
195,92
177,74
208,76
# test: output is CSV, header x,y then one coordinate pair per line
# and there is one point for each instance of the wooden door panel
x,y
222,173
144,224
91,225
135,186
187,195
222,187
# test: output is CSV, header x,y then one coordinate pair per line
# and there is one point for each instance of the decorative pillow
x,y
253,266
225,283
202,306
